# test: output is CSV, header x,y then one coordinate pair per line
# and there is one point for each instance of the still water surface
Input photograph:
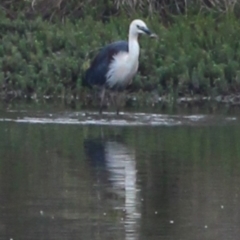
x,y
75,175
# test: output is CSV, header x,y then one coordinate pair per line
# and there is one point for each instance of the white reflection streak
x,y
121,165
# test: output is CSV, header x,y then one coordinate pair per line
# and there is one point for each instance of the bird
x,y
114,67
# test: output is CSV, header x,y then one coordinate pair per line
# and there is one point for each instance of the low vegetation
x,y
46,46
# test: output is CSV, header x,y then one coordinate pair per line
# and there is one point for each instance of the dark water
x,y
71,175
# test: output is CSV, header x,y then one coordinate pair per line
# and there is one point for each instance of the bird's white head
x,y
139,27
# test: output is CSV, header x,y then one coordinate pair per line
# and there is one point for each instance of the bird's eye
x,y
138,26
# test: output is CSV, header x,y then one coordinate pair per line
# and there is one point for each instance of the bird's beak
x,y
149,32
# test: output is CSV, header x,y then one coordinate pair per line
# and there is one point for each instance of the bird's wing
x,y
96,74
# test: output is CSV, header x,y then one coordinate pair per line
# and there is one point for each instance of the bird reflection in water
x,y
119,165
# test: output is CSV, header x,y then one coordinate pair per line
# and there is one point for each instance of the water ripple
x,y
110,118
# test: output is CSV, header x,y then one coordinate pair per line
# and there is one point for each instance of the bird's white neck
x,y
133,46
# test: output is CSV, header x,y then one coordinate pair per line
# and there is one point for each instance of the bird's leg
x,y
102,94
113,98
111,95
114,101
118,101
117,106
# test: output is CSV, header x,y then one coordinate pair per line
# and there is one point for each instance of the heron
x,y
117,63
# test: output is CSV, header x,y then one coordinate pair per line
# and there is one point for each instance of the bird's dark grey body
x,y
97,73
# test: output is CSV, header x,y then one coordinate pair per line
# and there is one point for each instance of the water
x,y
74,175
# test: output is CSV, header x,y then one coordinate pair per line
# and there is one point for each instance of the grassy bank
x,y
196,54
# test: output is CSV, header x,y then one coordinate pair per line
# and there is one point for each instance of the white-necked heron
x,y
117,63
